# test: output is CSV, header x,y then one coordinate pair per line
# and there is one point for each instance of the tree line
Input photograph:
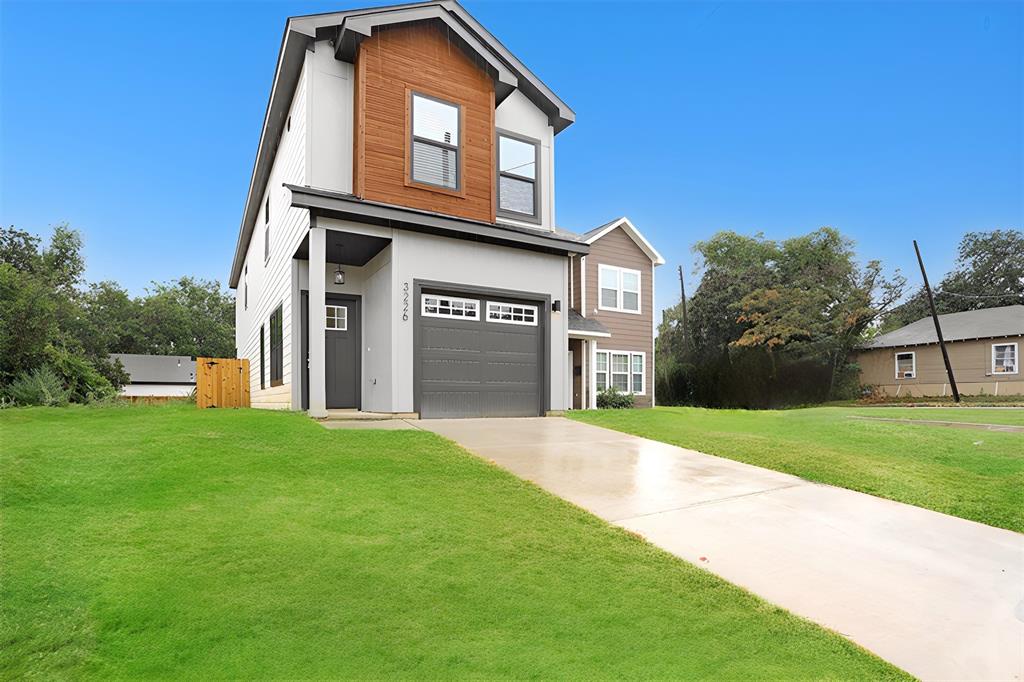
x,y
774,323
57,331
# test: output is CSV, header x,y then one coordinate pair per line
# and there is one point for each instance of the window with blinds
x,y
435,142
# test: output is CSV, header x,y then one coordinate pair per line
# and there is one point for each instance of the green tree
x,y
188,317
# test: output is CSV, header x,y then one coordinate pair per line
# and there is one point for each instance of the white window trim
x,y
1016,360
629,354
345,320
619,271
913,365
445,316
524,306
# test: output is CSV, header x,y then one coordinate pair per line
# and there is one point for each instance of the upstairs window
x,y
435,142
245,289
906,365
1004,358
620,289
517,177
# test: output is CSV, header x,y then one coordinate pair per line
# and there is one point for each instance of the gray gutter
x,y
330,204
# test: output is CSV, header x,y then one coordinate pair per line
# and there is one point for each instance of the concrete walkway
x,y
938,596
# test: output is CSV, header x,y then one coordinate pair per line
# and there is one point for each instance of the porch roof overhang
x,y
330,204
585,327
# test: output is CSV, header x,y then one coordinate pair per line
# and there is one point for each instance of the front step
x,y
359,415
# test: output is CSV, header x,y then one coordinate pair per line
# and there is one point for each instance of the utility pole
x,y
682,293
938,328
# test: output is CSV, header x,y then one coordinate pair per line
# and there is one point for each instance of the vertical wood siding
x,y
420,57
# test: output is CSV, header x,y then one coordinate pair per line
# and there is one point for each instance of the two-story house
x,y
398,250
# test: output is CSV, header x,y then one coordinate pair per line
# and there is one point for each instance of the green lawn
x,y
970,473
178,543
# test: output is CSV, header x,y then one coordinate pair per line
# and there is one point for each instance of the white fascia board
x,y
634,234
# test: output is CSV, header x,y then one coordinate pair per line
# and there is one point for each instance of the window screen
x,y
1004,358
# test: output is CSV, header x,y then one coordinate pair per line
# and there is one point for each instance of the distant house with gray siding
x,y
164,376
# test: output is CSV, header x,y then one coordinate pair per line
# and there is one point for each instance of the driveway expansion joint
x,y
717,500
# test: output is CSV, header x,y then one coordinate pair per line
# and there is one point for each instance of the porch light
x,y
339,276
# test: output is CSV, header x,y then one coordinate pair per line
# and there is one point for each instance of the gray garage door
x,y
479,356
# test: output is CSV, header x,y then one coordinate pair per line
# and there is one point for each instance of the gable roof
x,y
972,324
158,369
346,29
629,229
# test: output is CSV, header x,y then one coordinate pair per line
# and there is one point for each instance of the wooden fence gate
x,y
222,382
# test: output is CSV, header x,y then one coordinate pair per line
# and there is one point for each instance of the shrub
x,y
83,380
41,386
612,398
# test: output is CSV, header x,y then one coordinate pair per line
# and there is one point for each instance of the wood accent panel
x,y
629,331
971,361
419,57
222,382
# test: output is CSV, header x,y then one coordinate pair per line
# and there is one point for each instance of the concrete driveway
x,y
938,596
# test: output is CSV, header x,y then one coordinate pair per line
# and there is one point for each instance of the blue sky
x,y
138,122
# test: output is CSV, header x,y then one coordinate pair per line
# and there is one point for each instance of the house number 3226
x,y
405,302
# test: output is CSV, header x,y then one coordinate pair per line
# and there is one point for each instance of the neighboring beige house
x,y
984,349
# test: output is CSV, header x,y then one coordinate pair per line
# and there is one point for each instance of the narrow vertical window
x,y
266,230
263,354
435,142
245,289
517,177
277,347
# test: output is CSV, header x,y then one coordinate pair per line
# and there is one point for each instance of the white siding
x,y
331,100
270,282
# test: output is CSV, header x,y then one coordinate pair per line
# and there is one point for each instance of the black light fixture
x,y
556,306
339,276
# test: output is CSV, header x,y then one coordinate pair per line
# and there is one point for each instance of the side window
x,y
245,288
263,354
1004,358
906,365
517,178
435,143
622,370
276,347
266,230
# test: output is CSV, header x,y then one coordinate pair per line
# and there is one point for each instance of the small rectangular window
x,y
450,307
435,142
511,313
601,370
1004,358
277,347
517,177
620,289
337,318
906,365
263,354
245,289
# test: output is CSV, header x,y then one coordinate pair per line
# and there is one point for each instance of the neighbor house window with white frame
x,y
622,370
620,289
1004,358
906,365
435,142
337,318
517,177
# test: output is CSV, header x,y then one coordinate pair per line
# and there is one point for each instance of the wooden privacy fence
x,y
222,382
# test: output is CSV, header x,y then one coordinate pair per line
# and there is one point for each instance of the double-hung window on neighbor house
x,y
621,370
620,289
518,163
435,146
1004,358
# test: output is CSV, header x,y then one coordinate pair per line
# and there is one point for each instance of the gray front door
x,y
479,356
342,346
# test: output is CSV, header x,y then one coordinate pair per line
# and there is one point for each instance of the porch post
x,y
317,322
